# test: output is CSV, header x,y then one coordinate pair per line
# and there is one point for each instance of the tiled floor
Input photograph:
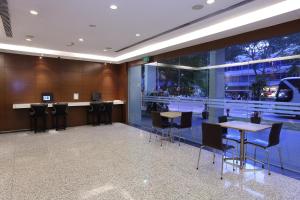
x,y
117,163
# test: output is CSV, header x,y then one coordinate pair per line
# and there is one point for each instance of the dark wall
x,y
23,79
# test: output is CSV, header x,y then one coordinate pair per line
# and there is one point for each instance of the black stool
x,y
38,111
94,112
107,114
59,112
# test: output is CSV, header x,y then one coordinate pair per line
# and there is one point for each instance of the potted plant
x,y
255,118
205,112
227,112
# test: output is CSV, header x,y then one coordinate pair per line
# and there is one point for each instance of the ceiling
x,y
62,22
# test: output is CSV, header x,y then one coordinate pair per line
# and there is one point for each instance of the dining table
x,y
242,127
171,115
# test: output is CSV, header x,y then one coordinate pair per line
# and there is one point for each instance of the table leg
x,y
242,159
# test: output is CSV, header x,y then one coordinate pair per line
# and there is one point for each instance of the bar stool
x,y
212,137
38,111
158,124
185,123
59,112
94,112
107,114
273,140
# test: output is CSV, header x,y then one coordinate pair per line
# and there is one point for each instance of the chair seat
x,y
227,147
260,143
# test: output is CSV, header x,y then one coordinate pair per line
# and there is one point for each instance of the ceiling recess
x,y
4,13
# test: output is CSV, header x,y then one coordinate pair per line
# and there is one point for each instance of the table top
x,y
170,115
246,126
70,104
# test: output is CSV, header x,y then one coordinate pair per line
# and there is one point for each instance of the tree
x,y
274,47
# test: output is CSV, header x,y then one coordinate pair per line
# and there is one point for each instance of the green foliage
x,y
258,86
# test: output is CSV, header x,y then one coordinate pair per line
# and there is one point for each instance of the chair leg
x,y
254,155
268,160
179,136
161,139
35,125
151,134
65,120
233,161
214,156
56,123
226,145
245,155
280,157
199,157
222,165
237,152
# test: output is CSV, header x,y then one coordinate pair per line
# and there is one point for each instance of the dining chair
x,y
274,140
185,122
212,137
158,124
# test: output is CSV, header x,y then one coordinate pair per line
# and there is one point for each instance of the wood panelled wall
x,y
23,79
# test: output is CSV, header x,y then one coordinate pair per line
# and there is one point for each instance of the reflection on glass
x,y
270,90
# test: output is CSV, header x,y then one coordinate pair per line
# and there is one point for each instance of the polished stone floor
x,y
116,162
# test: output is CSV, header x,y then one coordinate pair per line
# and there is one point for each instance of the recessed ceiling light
x,y
210,1
70,44
107,49
137,35
197,7
80,39
29,38
34,12
113,7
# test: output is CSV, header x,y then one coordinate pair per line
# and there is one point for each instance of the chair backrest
x,y
156,119
60,108
186,119
255,120
274,137
39,109
223,119
212,135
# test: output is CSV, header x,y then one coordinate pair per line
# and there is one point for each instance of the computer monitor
x,y
96,96
47,97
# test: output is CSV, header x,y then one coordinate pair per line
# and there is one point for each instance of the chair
x,y
212,136
94,112
38,111
59,111
185,122
274,139
158,123
107,113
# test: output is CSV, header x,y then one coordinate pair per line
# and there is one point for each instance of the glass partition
x,y
262,78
